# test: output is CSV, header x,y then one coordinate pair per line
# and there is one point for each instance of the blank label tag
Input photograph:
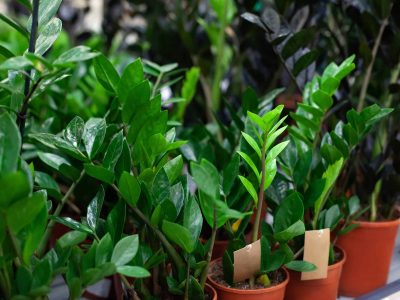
x,y
316,251
247,261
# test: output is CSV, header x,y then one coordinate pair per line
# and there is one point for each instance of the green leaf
x,y
330,176
17,63
73,224
5,52
47,10
48,36
173,168
276,150
225,10
47,182
59,163
192,218
300,266
249,187
116,221
160,189
104,250
353,205
73,55
106,73
290,232
250,163
289,212
125,250
257,120
130,188
93,135
10,144
94,209
206,177
179,235
114,151
322,99
42,274
100,173
132,76
302,168
137,98
332,217
252,143
230,173
8,193
23,212
71,238
18,27
131,271
74,131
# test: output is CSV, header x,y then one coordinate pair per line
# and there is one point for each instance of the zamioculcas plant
x,y
262,133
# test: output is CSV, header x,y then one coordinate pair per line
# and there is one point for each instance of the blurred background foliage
x,y
222,57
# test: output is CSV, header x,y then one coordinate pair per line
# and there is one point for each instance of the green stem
x,y
219,67
261,195
49,229
32,43
210,251
158,81
368,73
374,200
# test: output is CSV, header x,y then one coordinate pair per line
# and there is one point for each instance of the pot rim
x,y
248,292
378,224
211,288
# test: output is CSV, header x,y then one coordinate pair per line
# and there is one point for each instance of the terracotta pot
x,y
317,289
276,292
211,292
369,249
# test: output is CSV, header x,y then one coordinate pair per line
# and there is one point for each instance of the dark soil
x,y
217,274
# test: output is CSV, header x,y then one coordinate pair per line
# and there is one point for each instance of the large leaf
x,y
133,271
179,235
59,163
125,250
129,188
48,36
8,192
47,10
132,76
192,218
173,168
10,144
206,177
106,73
93,135
289,212
100,173
290,232
73,55
114,151
116,220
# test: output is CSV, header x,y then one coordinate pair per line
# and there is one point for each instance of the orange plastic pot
x,y
326,288
276,292
211,292
369,249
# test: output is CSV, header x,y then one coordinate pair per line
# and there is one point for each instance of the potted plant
x,y
313,164
268,278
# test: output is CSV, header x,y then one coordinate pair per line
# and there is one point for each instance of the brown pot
x,y
369,249
276,292
211,292
317,289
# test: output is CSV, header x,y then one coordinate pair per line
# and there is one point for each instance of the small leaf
x,y
114,151
71,238
131,271
249,187
252,143
48,36
300,266
94,209
250,163
179,235
73,55
93,135
125,250
100,173
106,73
73,132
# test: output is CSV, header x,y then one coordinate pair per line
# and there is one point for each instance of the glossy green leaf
x,y
114,151
59,163
8,193
250,188
14,24
75,225
74,131
129,188
136,98
73,55
290,232
132,76
48,36
179,235
116,221
300,266
332,217
289,212
297,41
18,63
47,10
322,99
93,135
47,182
71,238
206,177
173,168
230,173
304,61
10,144
100,173
353,205
94,209
125,250
106,73
192,218
104,250
133,271
249,139
251,164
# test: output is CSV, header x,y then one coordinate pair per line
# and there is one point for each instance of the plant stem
x,y
31,48
158,81
186,297
367,77
374,200
298,253
210,251
219,67
49,229
259,204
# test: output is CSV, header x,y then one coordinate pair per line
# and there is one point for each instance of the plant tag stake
x,y
247,261
316,251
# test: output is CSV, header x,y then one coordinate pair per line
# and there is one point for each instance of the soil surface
x,y
217,274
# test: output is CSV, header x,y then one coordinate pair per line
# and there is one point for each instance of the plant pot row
x,y
365,256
